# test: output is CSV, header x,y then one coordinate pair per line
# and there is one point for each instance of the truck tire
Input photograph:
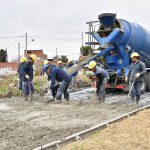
x,y
147,79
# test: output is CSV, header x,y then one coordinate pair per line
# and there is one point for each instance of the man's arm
x,y
53,78
143,69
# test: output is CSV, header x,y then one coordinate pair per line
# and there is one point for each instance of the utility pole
x,y
82,39
56,54
18,52
26,41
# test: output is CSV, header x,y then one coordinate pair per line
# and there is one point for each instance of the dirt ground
x,y
130,134
25,125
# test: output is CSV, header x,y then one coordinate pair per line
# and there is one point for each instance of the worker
x,y
60,64
101,77
28,77
135,76
46,62
74,75
20,67
59,75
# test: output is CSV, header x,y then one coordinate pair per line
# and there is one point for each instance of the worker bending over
x,y
135,76
101,77
28,77
60,64
59,75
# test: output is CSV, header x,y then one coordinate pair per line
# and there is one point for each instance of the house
x,y
39,53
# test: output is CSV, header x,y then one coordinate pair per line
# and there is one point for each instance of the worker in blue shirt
x,y
20,72
101,77
59,75
135,75
27,76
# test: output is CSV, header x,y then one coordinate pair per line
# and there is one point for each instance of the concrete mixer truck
x,y
115,40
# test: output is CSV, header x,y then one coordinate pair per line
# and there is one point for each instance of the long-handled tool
x,y
30,92
129,94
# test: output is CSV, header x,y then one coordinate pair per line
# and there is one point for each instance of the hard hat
x,y
45,62
134,54
45,67
23,59
92,64
59,62
69,60
90,73
33,57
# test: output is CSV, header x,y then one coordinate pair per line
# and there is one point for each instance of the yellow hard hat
x,y
33,57
92,64
59,62
134,54
23,59
45,62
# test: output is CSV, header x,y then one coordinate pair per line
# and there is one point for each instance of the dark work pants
x,y
101,89
63,90
136,88
28,88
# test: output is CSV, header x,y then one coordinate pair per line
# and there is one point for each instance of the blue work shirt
x,y
20,70
27,70
101,73
59,75
135,68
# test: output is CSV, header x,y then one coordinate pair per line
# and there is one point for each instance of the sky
x,y
59,23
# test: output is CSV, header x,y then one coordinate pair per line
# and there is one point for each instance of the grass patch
x,y
2,90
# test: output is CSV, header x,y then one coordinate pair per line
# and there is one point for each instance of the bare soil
x,y
130,134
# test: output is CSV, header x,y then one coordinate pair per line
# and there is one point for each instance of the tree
x,y
3,55
64,59
85,50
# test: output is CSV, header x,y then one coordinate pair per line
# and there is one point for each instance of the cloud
x,y
59,23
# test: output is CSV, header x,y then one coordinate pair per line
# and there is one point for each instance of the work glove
x,y
137,75
126,79
106,79
27,77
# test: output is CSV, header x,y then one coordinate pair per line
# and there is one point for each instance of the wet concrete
x,y
25,125
4,107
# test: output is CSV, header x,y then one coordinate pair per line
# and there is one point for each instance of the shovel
x,y
129,94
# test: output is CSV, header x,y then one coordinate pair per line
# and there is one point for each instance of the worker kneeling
x,y
101,76
59,75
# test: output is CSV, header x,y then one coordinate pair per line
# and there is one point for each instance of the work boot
x,y
66,96
137,99
102,98
26,98
30,98
132,100
99,99
57,101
